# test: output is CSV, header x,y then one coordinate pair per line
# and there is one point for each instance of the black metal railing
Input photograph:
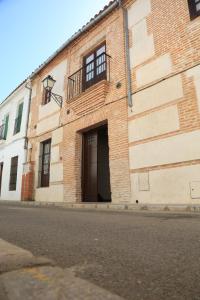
x,y
2,132
91,73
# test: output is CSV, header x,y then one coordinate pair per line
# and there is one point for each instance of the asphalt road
x,y
135,255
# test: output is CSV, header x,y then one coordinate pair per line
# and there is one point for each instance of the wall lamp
x,y
48,84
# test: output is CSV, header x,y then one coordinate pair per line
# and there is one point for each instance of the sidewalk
x,y
25,277
109,206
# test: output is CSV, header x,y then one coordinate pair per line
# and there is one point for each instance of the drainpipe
x,y
29,87
127,54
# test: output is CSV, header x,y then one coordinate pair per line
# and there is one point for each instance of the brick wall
x,y
101,103
164,122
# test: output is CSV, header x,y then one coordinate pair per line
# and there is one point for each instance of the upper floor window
x,y
18,119
94,65
46,96
194,7
4,128
44,163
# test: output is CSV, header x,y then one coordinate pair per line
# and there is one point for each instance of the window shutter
x,y
20,111
6,120
18,119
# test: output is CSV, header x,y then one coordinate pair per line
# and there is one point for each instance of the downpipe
x,y
127,54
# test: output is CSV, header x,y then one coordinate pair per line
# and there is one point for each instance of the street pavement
x,y
136,255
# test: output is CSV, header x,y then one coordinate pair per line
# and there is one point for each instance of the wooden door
x,y
89,180
1,173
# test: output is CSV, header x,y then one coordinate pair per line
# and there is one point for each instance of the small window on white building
x,y
18,119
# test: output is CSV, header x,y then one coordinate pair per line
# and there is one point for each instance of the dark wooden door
x,y
89,180
1,173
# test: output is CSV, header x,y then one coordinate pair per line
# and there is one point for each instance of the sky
x,y
31,30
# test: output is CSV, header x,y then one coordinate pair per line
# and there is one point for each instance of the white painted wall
x,y
14,144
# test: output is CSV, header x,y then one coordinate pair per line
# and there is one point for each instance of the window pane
x,y
101,50
198,7
89,58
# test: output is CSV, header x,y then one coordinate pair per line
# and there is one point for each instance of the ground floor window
x,y
44,163
1,174
13,173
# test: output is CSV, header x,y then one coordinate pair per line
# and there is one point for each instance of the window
x,y
13,173
18,119
46,96
94,67
1,174
194,7
4,128
6,121
44,163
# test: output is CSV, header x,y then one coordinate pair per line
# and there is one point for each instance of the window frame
x,y
194,13
13,173
44,178
97,77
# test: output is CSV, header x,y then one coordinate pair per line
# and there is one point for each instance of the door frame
x,y
84,131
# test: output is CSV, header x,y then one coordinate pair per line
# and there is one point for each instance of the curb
x,y
194,208
26,277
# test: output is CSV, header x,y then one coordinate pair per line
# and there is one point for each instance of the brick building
x,y
128,128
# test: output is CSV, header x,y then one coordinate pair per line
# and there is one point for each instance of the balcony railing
x,y
2,132
91,73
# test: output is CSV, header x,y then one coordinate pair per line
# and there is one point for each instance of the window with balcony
x,y
44,163
13,173
4,128
18,119
96,67
194,8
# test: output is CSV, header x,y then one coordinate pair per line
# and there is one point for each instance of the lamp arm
x,y
57,98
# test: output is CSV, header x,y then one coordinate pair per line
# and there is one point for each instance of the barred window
x,y
13,173
194,8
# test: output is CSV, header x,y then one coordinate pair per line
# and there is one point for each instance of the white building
x,y
14,111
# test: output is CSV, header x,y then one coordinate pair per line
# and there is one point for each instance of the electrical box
x,y
195,189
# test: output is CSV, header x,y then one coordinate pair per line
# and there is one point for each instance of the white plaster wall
x,y
138,11
154,70
195,74
54,193
48,109
13,149
10,106
168,186
14,144
178,148
48,123
58,73
142,42
162,93
56,173
154,124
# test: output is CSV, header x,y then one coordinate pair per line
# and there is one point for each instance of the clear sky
x,y
31,30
